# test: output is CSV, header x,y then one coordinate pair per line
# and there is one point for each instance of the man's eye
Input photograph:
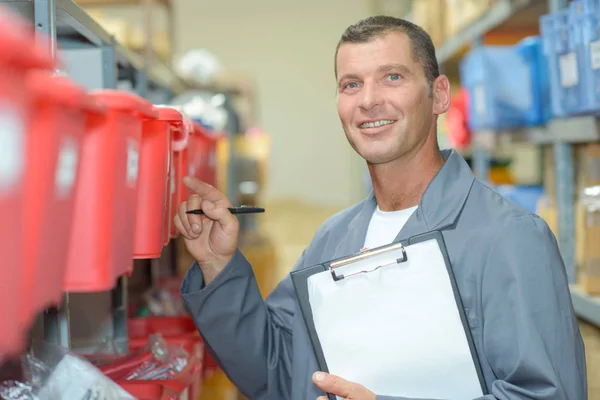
x,y
394,77
351,85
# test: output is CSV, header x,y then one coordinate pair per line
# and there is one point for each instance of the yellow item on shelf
x,y
501,176
218,387
260,251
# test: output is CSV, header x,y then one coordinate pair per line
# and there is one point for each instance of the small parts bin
x,y
101,247
178,331
170,327
180,142
202,154
57,132
154,194
16,116
180,387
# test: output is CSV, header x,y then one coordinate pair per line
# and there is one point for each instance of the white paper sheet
x,y
396,330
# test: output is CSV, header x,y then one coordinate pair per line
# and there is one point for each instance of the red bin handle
x,y
181,138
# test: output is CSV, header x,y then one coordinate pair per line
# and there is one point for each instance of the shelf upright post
x,y
44,12
56,320
565,188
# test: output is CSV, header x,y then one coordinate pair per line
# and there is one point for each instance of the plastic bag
x,y
163,302
54,373
155,361
164,363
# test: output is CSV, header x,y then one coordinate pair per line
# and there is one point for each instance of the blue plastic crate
x,y
577,99
590,50
498,81
562,63
530,49
526,197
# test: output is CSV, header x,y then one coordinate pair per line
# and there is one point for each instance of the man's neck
x,y
400,184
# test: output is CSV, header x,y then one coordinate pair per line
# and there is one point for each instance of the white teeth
x,y
376,123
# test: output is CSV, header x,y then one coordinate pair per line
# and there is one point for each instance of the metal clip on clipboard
x,y
365,253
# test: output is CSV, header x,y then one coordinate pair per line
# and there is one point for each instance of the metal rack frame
x,y
92,58
561,134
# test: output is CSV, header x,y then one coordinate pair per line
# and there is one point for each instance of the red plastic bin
x,y
57,132
177,132
101,247
202,154
154,197
179,191
16,115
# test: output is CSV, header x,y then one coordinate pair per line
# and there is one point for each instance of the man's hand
x,y
340,387
211,238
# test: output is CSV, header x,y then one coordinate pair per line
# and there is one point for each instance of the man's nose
x,y
371,96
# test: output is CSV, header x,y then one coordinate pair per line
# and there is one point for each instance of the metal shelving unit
x,y
78,37
494,17
561,134
92,58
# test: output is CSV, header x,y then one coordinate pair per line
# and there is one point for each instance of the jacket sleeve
x,y
250,339
531,336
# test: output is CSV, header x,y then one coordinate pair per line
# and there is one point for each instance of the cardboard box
x,y
461,13
429,15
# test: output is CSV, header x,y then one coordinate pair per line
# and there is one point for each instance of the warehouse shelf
x,y
586,306
165,3
77,29
585,129
497,15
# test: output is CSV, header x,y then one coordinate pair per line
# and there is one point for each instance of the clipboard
x,y
392,259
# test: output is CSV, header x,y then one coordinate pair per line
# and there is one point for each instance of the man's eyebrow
x,y
395,67
348,77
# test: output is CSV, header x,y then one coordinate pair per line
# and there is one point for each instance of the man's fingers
x,y
334,384
194,221
218,212
204,190
184,221
179,225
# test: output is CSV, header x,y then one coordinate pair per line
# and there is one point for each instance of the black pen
x,y
233,210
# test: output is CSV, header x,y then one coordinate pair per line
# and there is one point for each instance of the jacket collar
x,y
438,209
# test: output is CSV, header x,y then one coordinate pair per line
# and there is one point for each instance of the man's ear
x,y
440,89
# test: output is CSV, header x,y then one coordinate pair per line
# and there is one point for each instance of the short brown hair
x,y
421,44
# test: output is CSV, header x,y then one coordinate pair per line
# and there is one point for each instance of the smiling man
x,y
506,261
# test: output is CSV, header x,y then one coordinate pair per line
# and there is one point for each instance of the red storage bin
x,y
61,108
154,196
179,191
174,119
15,117
202,154
101,247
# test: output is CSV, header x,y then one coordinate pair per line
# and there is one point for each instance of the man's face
x,y
383,98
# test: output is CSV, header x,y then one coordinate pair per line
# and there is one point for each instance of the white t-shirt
x,y
385,226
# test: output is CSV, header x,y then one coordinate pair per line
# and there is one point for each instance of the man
x,y
508,268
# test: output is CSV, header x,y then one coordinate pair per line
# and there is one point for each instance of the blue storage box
x,y
562,62
498,81
590,50
531,50
577,99
526,197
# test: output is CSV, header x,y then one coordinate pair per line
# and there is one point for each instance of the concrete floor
x,y
290,227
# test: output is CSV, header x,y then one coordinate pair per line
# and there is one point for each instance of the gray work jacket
x,y
509,272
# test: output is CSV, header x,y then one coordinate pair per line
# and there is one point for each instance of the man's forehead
x,y
383,51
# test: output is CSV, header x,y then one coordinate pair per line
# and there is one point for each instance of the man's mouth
x,y
376,124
